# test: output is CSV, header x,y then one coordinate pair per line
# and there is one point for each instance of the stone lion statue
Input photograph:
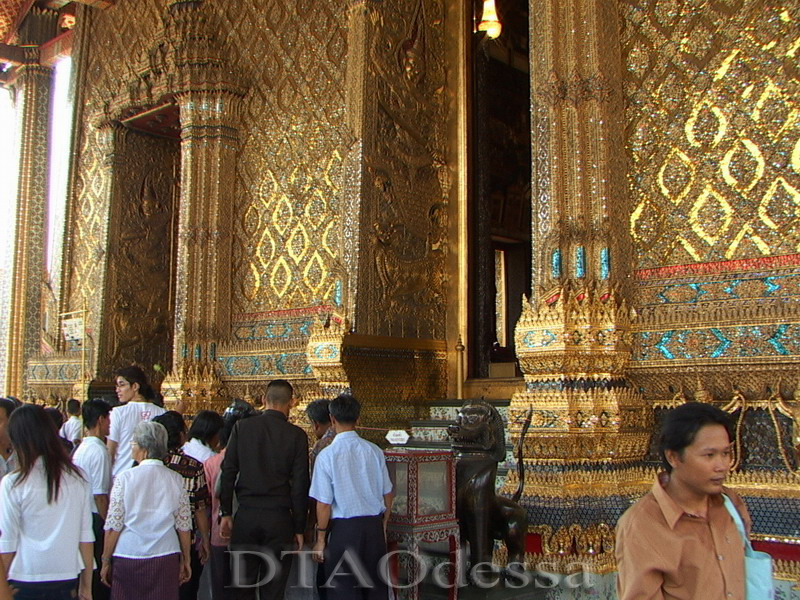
x,y
478,437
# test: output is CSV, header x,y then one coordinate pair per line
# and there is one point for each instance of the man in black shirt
x,y
269,456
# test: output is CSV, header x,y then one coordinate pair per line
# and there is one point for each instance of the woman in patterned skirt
x,y
148,528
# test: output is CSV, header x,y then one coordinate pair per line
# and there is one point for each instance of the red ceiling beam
x,y
59,47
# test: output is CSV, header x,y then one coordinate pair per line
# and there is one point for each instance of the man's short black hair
x,y
318,411
681,425
73,407
345,409
8,405
236,411
205,425
279,392
174,424
92,410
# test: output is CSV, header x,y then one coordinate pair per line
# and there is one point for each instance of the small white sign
x,y
398,437
72,329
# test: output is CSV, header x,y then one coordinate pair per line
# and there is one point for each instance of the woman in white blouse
x,y
148,528
46,537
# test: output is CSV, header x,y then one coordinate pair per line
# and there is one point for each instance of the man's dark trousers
x,y
265,531
363,538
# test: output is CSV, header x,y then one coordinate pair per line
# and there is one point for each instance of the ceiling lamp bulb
x,y
489,21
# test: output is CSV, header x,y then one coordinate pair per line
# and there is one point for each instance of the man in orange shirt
x,y
679,541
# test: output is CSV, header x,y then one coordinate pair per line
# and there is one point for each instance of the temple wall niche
x,y
138,321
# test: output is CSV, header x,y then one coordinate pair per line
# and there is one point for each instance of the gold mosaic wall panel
x,y
287,228
713,128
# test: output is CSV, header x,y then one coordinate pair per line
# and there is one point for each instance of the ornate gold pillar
x,y
209,141
33,99
209,103
394,216
589,425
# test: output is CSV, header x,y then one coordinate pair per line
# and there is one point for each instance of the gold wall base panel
x,y
632,481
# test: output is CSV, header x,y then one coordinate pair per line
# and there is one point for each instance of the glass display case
x,y
424,485
423,529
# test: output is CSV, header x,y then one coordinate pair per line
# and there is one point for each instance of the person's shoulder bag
x,y
757,565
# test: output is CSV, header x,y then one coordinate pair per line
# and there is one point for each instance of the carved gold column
x,y
33,99
590,426
209,103
209,141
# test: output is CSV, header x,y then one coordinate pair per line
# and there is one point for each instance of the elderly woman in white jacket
x,y
148,528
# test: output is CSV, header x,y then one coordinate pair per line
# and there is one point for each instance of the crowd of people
x,y
130,505
126,503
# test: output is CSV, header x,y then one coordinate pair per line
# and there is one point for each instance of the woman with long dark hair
x,y
136,405
46,537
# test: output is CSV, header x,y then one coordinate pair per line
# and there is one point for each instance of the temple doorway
x,y
500,193
143,243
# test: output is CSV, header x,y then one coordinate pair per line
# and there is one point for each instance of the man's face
x,y
105,425
319,429
126,391
705,462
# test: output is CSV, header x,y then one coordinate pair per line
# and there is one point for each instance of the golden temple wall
x,y
714,144
713,130
340,197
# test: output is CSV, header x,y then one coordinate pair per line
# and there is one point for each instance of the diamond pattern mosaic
x,y
9,9
288,183
714,133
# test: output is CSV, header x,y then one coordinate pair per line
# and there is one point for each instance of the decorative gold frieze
x,y
574,331
196,386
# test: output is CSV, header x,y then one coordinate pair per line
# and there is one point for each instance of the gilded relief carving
x,y
404,220
139,321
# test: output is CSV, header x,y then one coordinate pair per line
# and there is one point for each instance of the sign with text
x,y
397,437
72,329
